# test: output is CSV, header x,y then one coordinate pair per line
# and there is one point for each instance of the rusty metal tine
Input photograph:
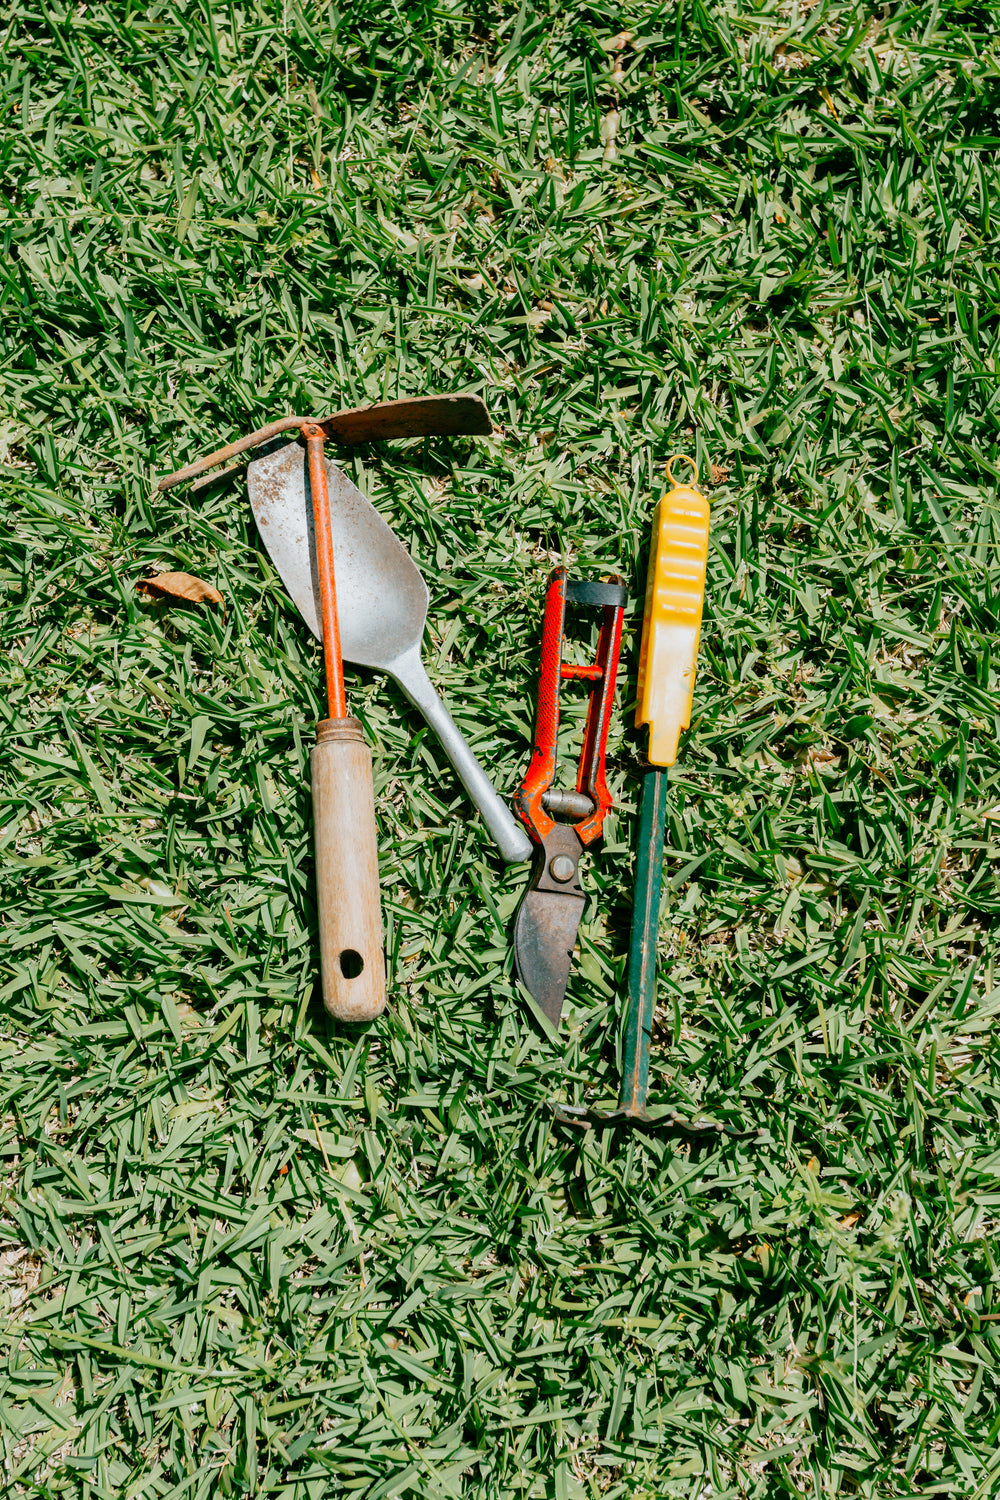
x,y
191,471
205,479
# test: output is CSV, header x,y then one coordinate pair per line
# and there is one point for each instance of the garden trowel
x,y
382,600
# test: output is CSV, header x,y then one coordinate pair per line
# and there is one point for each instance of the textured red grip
x,y
591,778
602,673
543,761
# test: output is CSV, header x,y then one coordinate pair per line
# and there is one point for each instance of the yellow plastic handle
x,y
671,626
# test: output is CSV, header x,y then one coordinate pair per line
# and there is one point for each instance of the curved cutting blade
x,y
544,939
548,918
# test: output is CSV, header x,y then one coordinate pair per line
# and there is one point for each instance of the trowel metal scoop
x,y
382,602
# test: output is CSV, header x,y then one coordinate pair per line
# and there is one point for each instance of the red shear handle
x,y
590,778
542,770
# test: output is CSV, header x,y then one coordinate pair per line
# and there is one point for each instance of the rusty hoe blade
x,y
421,416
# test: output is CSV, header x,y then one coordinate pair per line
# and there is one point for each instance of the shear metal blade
x,y
544,939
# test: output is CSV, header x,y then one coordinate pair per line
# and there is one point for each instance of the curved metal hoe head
x,y
381,597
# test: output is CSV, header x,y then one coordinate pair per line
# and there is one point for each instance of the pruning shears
x,y
549,915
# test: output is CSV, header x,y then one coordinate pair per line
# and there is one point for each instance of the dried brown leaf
x,y
181,586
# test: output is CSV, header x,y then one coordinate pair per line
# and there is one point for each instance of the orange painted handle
x,y
332,657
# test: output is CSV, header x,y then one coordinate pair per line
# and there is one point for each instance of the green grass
x,y
243,1251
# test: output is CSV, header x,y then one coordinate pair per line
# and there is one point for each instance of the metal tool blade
x,y
381,597
548,919
544,939
418,416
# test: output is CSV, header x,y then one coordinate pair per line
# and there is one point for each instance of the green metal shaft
x,y
642,946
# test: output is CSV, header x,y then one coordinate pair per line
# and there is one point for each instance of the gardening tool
x,y
383,604
343,800
675,595
421,416
549,914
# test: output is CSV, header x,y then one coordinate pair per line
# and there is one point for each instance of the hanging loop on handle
x,y
676,457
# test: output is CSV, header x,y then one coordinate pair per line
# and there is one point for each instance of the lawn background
x,y
244,1250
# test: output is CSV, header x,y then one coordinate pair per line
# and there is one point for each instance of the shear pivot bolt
x,y
562,868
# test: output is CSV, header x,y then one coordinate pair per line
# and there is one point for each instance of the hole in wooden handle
x,y
351,963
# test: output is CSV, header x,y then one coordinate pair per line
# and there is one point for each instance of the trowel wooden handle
x,y
347,891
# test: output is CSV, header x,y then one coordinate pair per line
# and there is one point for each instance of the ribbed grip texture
x,y
671,627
